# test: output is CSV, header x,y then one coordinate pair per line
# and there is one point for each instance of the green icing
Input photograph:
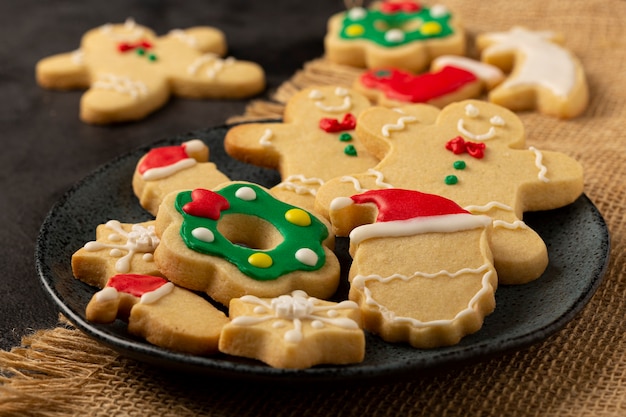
x,y
267,208
374,25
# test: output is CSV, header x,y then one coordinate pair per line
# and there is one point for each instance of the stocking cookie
x,y
130,72
240,240
174,168
160,312
422,271
119,248
543,75
452,78
474,154
294,331
315,142
405,35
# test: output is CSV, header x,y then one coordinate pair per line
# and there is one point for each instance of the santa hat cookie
x,y
165,161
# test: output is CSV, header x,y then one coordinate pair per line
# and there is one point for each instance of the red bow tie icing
x,y
206,203
127,46
459,145
333,125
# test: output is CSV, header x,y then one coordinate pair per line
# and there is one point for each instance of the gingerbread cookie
x,y
422,270
130,72
160,312
315,142
405,35
294,331
543,75
119,248
452,78
174,168
239,239
473,153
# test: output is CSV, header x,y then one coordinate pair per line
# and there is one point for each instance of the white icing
x,y
371,172
399,125
115,253
346,104
213,63
307,256
184,37
153,296
489,74
131,31
316,95
120,84
517,224
266,137
339,203
497,121
193,145
360,282
394,36
471,111
446,223
158,173
140,239
490,205
203,234
78,57
357,13
539,164
544,63
297,307
246,194
289,184
439,10
106,294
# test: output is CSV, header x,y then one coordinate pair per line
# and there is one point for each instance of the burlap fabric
x,y
579,371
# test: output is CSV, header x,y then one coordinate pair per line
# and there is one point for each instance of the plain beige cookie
x,y
129,72
542,74
239,239
294,331
405,36
174,168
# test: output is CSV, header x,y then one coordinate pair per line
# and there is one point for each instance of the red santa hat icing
x,y
163,162
408,212
146,287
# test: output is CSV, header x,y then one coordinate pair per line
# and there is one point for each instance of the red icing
x,y
127,46
162,157
334,125
403,86
399,204
458,145
135,284
399,6
206,203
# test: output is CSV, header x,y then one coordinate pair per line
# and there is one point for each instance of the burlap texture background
x,y
580,371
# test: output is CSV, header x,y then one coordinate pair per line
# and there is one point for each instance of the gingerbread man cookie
x,y
543,75
238,239
294,331
160,312
452,78
315,142
474,153
422,270
405,35
130,72
174,168
119,248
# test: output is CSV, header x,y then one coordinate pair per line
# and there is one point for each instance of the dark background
x,y
46,148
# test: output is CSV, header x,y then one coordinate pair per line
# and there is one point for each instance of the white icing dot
x,y
148,257
307,256
203,234
278,324
332,313
116,253
357,13
438,10
471,110
193,145
341,92
316,95
316,324
394,35
106,294
114,237
497,121
260,310
245,193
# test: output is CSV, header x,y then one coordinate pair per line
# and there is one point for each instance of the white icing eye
x,y
357,13
394,35
497,121
246,194
316,95
471,110
341,92
203,234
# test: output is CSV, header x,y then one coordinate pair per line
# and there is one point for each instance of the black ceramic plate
x,y
576,236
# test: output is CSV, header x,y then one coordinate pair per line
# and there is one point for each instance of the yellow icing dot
x,y
260,260
298,217
430,28
355,30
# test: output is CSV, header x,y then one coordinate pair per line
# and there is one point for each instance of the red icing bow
x,y
206,203
127,46
399,6
333,125
459,145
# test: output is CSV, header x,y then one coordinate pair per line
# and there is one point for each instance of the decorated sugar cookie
x,y
314,143
543,75
473,153
294,331
119,248
452,78
238,239
129,72
174,168
160,312
406,35
422,271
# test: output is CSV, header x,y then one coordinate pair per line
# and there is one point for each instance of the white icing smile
x,y
473,112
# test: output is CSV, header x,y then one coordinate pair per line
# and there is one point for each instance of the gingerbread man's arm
x,y
65,71
257,143
201,38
